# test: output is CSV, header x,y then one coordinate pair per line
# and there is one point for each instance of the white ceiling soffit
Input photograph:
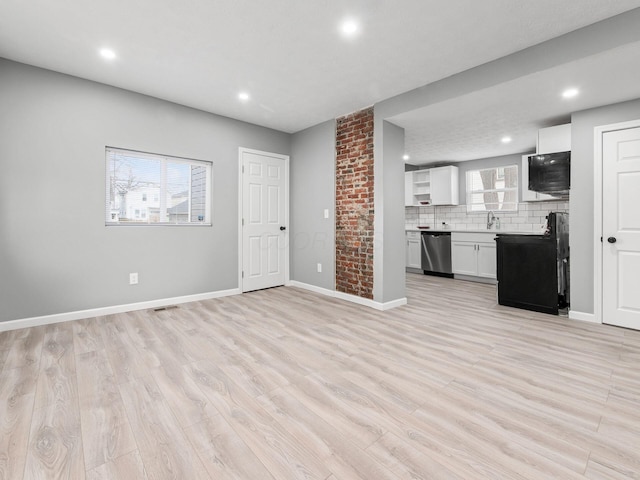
x,y
471,126
287,53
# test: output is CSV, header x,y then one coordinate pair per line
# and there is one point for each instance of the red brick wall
x,y
354,204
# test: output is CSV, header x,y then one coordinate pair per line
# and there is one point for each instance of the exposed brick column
x,y
354,204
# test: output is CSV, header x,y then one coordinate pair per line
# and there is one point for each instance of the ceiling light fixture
x,y
405,157
107,54
243,96
570,93
506,140
349,28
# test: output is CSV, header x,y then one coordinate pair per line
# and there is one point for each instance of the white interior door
x,y
264,219
621,228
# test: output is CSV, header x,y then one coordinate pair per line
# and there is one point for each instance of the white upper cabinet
x,y
433,186
417,188
444,186
554,139
408,189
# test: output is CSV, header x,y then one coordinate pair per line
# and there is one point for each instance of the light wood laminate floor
x,y
288,384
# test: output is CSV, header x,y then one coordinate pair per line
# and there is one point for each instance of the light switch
x,y
326,213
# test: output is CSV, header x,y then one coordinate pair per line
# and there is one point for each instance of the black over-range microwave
x,y
550,173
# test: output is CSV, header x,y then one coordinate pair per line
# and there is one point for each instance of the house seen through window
x,y
493,189
145,188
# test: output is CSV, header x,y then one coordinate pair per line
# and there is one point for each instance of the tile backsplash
x,y
530,217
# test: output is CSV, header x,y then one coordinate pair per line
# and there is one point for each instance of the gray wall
x,y
312,191
56,255
581,207
390,280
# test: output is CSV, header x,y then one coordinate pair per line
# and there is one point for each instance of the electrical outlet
x,y
133,279
319,268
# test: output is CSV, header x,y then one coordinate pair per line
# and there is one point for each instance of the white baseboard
x,y
97,312
349,298
394,303
583,317
371,303
312,288
471,278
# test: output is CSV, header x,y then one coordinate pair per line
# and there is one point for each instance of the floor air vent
x,y
162,309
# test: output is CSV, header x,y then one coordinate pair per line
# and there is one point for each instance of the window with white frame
x,y
151,189
493,189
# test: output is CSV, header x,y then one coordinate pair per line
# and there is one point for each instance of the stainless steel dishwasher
x,y
435,257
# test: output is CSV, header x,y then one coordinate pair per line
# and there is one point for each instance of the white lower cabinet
x,y
413,249
474,254
487,260
464,258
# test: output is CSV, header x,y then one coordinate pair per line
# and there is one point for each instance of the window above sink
x,y
492,189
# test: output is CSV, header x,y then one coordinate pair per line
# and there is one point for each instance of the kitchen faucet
x,y
490,219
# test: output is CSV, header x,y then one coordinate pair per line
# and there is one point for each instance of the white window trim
x,y
190,161
491,190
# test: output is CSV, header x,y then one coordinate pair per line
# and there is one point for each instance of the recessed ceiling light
x,y
107,54
349,28
506,140
405,157
570,93
243,96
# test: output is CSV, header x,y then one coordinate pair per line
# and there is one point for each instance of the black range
x,y
533,270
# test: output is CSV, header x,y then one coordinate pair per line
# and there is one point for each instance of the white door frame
x,y
241,151
598,132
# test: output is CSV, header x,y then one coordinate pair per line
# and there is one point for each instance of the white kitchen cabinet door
x,y
554,139
444,185
487,260
464,258
408,189
413,250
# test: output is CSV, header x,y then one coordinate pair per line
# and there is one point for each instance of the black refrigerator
x,y
533,270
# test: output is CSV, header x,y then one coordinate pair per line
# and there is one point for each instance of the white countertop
x,y
495,232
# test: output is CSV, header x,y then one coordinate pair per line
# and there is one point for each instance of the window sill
x,y
145,224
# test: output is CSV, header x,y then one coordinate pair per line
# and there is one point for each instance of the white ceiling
x,y
471,126
291,58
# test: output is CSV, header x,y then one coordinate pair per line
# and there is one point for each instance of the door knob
x,y
283,228
612,239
